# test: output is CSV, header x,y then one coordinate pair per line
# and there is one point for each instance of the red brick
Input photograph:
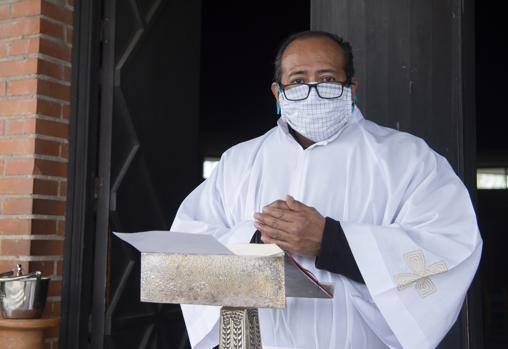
x,y
18,67
61,227
4,49
11,265
51,128
2,166
57,12
66,111
55,50
47,268
50,69
4,11
16,146
69,33
55,288
46,147
20,127
2,127
19,27
50,168
52,332
64,150
45,187
23,46
46,248
16,185
59,268
19,167
26,8
44,226
52,29
62,191
48,207
55,90
67,74
22,87
49,108
14,247
2,88
17,206
15,226
17,107
51,309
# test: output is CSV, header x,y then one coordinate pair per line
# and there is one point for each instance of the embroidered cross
x,y
420,274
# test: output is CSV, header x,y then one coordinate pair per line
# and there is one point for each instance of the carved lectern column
x,y
239,328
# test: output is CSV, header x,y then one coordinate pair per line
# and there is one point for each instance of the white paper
x,y
257,250
170,242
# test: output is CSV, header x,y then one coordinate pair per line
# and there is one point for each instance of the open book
x,y
299,282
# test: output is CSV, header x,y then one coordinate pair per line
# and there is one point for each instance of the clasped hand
x,y
292,225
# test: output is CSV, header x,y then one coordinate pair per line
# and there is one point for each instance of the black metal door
x,y
415,64
148,158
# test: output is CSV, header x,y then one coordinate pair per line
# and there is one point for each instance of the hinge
x,y
97,187
103,33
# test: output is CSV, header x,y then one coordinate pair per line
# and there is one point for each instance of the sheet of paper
x,y
157,241
258,250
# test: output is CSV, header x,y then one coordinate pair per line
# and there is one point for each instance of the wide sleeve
x,y
207,210
418,266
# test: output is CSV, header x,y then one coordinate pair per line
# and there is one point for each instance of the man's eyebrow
x,y
327,70
297,72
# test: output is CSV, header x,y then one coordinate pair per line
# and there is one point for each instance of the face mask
x,y
317,118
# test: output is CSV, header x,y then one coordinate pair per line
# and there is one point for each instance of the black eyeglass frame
x,y
315,85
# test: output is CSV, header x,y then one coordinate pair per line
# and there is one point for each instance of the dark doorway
x,y
239,43
492,163
158,86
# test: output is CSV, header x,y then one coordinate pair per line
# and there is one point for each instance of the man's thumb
x,y
292,203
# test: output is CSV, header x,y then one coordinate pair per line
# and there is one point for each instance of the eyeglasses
x,y
326,90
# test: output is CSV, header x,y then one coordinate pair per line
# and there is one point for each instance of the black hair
x,y
346,47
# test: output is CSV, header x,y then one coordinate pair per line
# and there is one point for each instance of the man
x,y
369,209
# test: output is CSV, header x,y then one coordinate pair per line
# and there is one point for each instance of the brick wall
x,y
35,69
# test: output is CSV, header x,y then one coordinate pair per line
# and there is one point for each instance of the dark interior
x,y
191,81
239,42
492,143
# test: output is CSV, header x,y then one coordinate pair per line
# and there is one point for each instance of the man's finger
x,y
281,204
273,222
282,214
295,205
282,244
273,233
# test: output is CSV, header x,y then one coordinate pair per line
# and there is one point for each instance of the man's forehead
x,y
307,52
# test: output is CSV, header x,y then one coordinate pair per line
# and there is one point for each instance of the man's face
x,y
311,60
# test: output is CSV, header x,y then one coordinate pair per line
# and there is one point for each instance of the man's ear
x,y
275,91
354,85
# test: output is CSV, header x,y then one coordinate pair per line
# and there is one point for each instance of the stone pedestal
x,y
239,328
24,334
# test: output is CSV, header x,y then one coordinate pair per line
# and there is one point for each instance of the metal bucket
x,y
23,297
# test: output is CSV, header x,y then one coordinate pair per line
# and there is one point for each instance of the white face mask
x,y
317,118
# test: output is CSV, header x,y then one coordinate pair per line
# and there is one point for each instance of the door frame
x,y
85,246
83,180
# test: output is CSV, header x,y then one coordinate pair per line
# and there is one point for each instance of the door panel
x,y
411,59
154,155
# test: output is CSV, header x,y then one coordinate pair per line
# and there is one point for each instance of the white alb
x,y
407,218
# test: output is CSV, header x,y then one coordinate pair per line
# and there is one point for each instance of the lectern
x,y
197,269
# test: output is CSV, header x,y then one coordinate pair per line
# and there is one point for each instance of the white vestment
x,y
407,218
